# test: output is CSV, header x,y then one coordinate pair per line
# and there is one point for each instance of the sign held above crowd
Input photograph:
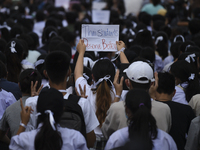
x,y
100,37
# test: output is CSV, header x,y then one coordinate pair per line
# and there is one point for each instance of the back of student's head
x,y
64,47
185,45
157,24
155,2
50,102
2,45
28,40
161,42
166,83
103,69
167,30
185,73
142,125
194,26
57,66
174,49
14,53
40,16
50,22
25,79
48,34
148,54
35,38
16,31
144,39
39,65
145,18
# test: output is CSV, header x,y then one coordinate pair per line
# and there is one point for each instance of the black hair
x,y
40,16
190,57
184,71
28,76
41,67
155,2
145,18
65,47
2,45
167,30
48,34
47,137
194,26
35,38
148,54
184,46
69,37
3,57
158,24
166,83
14,58
174,49
158,18
51,23
28,40
142,125
161,44
130,55
57,66
136,48
71,17
16,31
144,39
3,71
101,69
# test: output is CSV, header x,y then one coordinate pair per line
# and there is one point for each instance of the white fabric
x,y
119,138
72,140
32,56
6,99
27,65
158,64
179,96
91,98
38,28
167,67
168,59
91,121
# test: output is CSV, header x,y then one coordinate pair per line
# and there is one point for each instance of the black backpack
x,y
72,117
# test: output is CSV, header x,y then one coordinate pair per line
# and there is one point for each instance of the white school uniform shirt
x,y
91,98
91,121
179,96
119,138
6,99
72,140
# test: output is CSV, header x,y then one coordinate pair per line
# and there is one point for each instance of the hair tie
x,y
51,119
5,26
124,31
191,56
12,48
86,76
180,37
192,76
106,78
132,32
141,104
39,62
187,47
52,32
159,38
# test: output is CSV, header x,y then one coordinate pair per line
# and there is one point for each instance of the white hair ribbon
x,y
180,37
51,119
85,76
124,31
118,53
134,24
106,78
159,38
39,62
52,32
140,30
192,56
187,47
191,76
5,26
12,48
130,40
132,32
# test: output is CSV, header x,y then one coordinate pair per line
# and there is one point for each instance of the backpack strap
x,y
74,98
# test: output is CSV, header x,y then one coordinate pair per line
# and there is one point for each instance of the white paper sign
x,y
102,16
100,37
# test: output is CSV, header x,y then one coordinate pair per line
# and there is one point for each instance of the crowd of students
x,y
56,95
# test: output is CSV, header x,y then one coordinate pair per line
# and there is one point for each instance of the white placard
x,y
101,16
100,37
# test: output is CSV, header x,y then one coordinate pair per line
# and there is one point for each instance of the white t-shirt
x,y
119,138
72,140
91,121
91,97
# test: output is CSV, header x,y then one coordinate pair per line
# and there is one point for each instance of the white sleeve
x,y
91,121
10,99
80,142
32,101
16,143
82,81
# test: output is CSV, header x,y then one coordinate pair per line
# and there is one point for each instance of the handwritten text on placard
x,y
100,37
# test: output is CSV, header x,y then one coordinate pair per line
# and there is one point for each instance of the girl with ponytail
x,y
102,93
142,129
48,135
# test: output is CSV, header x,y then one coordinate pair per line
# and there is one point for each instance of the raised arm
x,y
123,58
78,72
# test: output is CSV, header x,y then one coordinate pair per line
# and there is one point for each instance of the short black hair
x,y
57,65
175,51
166,83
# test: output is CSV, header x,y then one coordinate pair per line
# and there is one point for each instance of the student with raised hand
x,y
102,93
11,117
48,135
142,125
57,71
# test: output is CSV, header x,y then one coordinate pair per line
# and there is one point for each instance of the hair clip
x,y
12,48
52,32
191,77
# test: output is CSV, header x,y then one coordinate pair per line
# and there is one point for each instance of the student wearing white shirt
x,y
57,70
142,126
48,135
101,94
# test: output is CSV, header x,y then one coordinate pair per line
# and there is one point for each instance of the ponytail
x,y
47,138
103,101
142,125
